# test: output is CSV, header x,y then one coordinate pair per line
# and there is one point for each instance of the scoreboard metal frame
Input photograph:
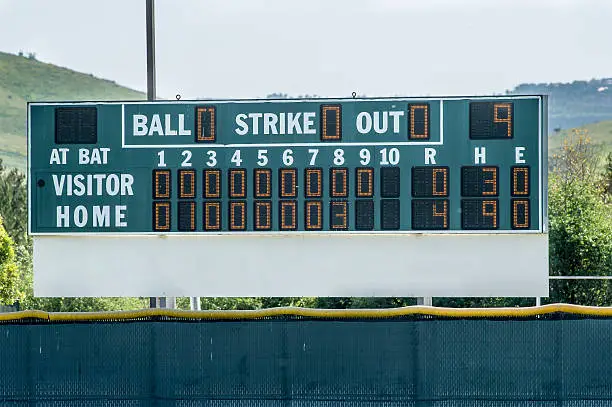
x,y
290,197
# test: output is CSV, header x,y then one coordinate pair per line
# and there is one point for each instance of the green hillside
x,y
600,134
25,79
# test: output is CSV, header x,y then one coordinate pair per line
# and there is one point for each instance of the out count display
x,y
390,165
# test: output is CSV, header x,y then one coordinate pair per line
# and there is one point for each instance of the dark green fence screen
x,y
544,356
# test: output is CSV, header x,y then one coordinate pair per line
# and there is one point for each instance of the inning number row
x,y
388,156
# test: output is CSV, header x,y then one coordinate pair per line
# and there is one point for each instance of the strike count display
x,y
383,165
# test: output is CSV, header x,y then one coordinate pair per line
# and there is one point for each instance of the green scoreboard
x,y
448,165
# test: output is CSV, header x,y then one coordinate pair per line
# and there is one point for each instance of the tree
x,y
9,272
14,204
84,304
578,160
607,180
580,224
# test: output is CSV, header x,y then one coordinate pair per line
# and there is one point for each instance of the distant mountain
x,y
573,104
23,79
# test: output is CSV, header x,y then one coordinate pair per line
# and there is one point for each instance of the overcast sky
x,y
249,48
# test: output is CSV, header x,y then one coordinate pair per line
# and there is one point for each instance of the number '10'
x,y
387,156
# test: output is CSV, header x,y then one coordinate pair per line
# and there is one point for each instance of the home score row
x,y
401,165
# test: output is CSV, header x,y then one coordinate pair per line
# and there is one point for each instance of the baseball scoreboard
x,y
391,166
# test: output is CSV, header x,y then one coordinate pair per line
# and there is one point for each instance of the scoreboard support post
x,y
426,301
423,197
195,303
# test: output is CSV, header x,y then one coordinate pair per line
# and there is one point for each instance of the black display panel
x,y
390,182
389,214
76,125
263,182
212,183
479,181
313,181
519,180
186,216
479,214
205,126
331,122
364,214
364,182
162,220
520,214
430,182
338,215
491,120
212,215
237,183
287,180
314,215
338,182
162,181
186,184
418,121
237,215
263,215
430,214
287,213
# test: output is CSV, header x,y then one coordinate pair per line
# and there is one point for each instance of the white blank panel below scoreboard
x,y
253,265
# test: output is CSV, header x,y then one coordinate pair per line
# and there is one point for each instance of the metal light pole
x,y
150,16
150,76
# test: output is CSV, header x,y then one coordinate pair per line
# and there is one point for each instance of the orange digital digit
x,y
339,182
490,181
205,124
440,188
212,215
365,182
237,212
502,113
440,212
263,182
288,215
288,182
520,213
161,184
237,183
314,182
418,117
331,122
212,184
263,215
187,182
520,181
314,218
161,216
489,210
338,212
